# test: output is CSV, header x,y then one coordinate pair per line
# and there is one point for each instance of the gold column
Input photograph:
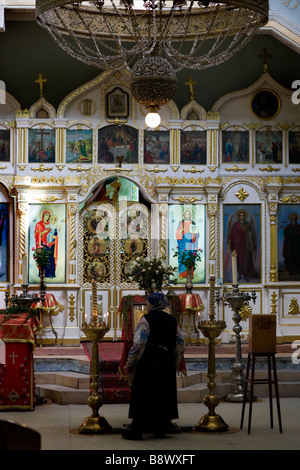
x,y
213,188
273,188
22,209
212,210
163,210
72,208
273,242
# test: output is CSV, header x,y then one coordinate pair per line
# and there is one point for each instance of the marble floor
x,y
59,425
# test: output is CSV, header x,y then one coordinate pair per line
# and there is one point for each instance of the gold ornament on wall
x,y
71,301
242,194
294,307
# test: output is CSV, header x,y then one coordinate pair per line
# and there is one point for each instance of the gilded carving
x,y
156,169
72,306
274,303
193,169
293,198
294,307
187,199
269,169
235,169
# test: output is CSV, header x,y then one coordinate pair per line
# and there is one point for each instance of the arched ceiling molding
x,y
83,90
98,184
42,103
258,188
195,107
234,107
9,109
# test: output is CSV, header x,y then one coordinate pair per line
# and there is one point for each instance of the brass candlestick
x,y
95,423
25,299
211,329
236,299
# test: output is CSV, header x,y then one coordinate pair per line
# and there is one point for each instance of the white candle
x,y
234,267
94,301
24,271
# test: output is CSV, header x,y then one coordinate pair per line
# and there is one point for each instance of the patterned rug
x,y
112,385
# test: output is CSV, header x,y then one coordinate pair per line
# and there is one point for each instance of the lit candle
x,y
234,267
94,301
24,271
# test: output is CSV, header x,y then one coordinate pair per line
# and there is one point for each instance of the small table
x,y
251,364
50,307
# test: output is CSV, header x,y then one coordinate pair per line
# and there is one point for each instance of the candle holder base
x,y
208,423
235,397
95,425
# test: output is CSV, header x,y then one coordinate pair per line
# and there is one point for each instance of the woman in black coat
x,y
154,358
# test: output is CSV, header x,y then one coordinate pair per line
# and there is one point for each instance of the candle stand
x,y
95,423
211,329
25,299
236,299
95,331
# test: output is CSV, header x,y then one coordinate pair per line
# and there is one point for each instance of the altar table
x,y
17,373
126,314
192,305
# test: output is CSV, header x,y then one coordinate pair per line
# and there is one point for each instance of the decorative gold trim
x,y
156,169
72,306
294,307
78,168
269,169
193,169
41,168
118,170
187,199
274,303
293,198
235,168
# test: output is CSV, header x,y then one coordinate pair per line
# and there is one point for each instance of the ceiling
x,y
27,49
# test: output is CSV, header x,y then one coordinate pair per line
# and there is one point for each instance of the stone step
x,y
63,395
73,388
66,379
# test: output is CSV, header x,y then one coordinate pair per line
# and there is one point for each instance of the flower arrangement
x,y
41,256
188,257
151,273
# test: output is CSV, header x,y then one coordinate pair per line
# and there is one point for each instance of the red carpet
x,y
113,387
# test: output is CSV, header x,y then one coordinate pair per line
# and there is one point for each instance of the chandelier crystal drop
x,y
111,34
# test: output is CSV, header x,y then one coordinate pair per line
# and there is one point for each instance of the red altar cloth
x,y
50,302
14,330
191,301
17,374
125,310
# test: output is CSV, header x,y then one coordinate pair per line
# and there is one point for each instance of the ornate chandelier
x,y
152,38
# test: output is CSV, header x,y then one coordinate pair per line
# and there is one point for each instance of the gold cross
x,y
117,186
13,355
265,56
190,83
40,81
